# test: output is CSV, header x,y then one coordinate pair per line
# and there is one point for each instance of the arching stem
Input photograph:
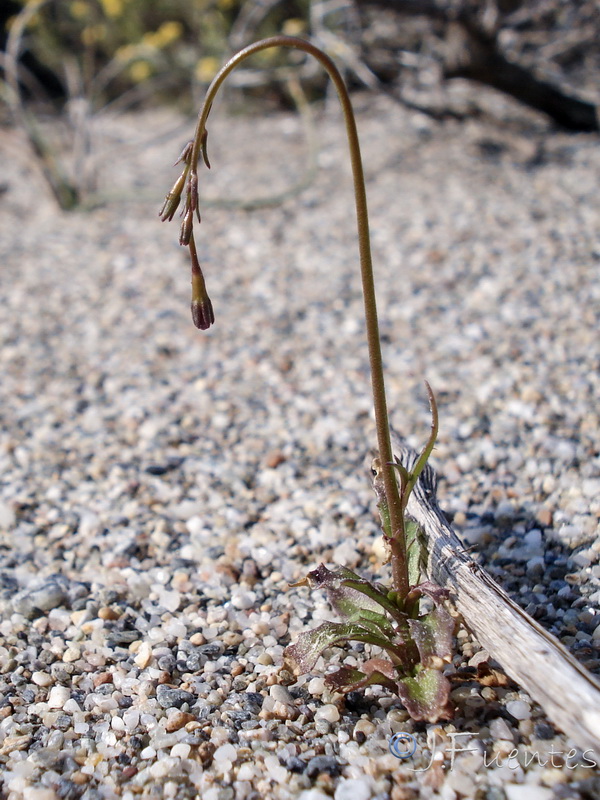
x,y
397,543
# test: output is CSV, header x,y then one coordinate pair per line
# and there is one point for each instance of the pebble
x,y
519,709
48,596
178,720
329,713
352,789
499,729
171,697
58,696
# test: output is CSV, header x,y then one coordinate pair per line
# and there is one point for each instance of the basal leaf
x,y
375,671
432,633
312,643
425,696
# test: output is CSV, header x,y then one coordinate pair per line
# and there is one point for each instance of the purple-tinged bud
x,y
202,310
193,190
185,154
202,313
186,228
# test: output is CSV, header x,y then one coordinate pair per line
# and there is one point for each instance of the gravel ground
x,y
162,487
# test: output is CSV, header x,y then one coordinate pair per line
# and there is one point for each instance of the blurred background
x,y
81,61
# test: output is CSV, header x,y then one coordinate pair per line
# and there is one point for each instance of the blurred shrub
x,y
103,49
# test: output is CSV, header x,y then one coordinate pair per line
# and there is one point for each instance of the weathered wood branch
x,y
569,695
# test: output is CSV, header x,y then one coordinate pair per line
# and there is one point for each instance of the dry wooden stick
x,y
537,661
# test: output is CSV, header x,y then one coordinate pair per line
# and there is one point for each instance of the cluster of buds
x,y
202,311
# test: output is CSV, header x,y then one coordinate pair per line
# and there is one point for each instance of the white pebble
x,y
34,793
352,789
7,517
170,600
275,769
162,767
281,694
518,709
329,713
58,696
144,655
42,679
245,772
499,729
316,686
226,752
131,718
180,750
244,600
524,791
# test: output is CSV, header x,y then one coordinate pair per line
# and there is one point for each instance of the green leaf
x,y
353,597
415,551
425,696
432,633
376,671
311,644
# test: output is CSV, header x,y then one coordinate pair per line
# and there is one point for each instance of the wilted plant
x,y
416,641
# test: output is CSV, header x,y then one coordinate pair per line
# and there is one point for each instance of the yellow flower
x,y
79,9
294,27
93,33
112,8
206,69
140,70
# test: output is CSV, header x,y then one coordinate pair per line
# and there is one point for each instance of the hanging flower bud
x,y
202,310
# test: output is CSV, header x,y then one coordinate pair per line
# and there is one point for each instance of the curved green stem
x,y
398,544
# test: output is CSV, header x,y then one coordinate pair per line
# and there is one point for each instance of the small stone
x,y
71,654
180,750
45,598
8,517
326,764
353,789
102,678
42,679
543,731
178,720
499,729
329,713
544,517
170,697
524,791
316,686
58,696
226,752
281,694
144,655
363,729
518,709
108,613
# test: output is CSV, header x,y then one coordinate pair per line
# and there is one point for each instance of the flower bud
x,y
186,227
202,310
173,199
